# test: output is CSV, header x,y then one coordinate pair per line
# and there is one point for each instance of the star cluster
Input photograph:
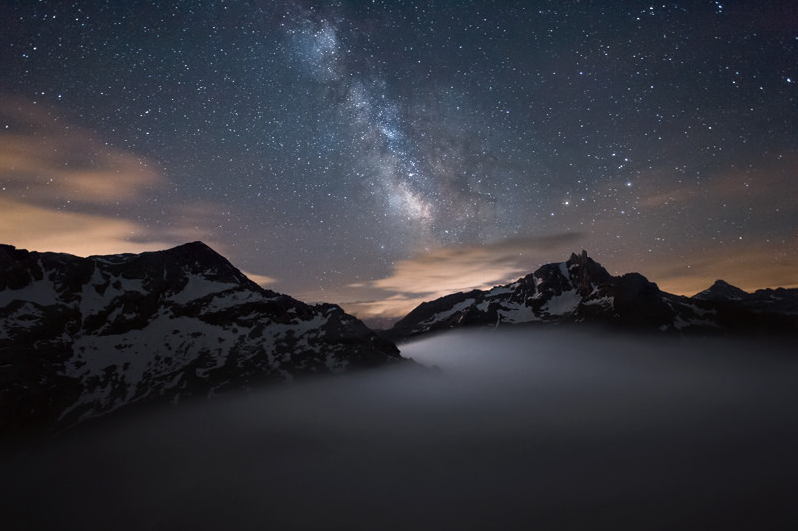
x,y
359,152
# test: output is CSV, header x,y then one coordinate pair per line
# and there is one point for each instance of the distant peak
x,y
196,248
721,290
193,245
722,284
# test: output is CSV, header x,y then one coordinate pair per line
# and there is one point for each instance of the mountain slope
x,y
80,337
580,290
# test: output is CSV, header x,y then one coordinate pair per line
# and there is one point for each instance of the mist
x,y
518,429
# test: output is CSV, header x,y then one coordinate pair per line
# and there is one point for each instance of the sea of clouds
x,y
532,429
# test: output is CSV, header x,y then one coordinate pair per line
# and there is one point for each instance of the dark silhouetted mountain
x,y
580,290
721,291
780,300
80,337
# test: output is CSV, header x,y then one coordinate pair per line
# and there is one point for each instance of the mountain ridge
x,y
580,290
81,337
780,300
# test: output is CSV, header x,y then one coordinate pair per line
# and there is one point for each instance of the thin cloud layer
x,y
736,208
41,229
743,268
45,160
444,271
262,280
63,190
556,428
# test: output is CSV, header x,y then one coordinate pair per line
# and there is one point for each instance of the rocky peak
x,y
578,259
586,274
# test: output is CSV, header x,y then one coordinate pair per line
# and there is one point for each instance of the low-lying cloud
x,y
518,429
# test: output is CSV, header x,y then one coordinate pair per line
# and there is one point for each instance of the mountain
x,y
580,290
780,300
80,337
721,291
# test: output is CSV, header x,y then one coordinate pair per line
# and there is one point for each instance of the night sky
x,y
377,154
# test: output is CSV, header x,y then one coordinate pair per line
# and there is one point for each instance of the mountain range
x,y
81,337
580,290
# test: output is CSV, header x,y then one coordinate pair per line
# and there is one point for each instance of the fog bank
x,y
519,429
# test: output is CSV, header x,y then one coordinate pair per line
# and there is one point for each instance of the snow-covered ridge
x,y
85,336
579,290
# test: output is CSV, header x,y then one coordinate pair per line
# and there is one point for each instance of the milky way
x,y
376,132
329,149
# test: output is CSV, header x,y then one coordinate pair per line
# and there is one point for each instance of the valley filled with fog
x,y
526,428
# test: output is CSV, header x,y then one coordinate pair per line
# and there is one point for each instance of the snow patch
x,y
564,270
605,302
503,290
42,292
563,304
519,314
199,287
448,313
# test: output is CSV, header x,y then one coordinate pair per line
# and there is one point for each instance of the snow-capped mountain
x,y
580,290
80,337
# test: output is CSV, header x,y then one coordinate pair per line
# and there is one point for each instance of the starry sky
x,y
376,154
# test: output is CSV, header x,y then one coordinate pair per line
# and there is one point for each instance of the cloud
x,y
517,426
73,169
262,280
683,236
46,160
749,266
448,270
63,190
42,229
684,270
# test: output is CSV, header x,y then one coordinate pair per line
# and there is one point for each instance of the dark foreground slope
x,y
80,337
580,290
